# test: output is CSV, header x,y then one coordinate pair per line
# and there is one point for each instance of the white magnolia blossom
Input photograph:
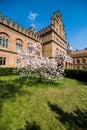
x,y
31,61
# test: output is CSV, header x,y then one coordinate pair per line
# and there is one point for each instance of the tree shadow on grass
x,y
8,90
76,120
30,126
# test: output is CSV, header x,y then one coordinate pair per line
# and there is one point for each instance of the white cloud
x,y
32,16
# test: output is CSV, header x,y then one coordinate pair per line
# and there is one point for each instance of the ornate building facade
x,y
53,36
14,38
79,58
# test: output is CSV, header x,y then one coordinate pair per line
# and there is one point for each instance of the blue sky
x,y
38,13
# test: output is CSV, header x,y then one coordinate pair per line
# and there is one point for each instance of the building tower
x,y
69,48
53,36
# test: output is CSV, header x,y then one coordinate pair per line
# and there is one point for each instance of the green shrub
x,y
80,75
4,71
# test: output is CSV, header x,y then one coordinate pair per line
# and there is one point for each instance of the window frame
x,y
18,46
2,61
3,42
83,61
78,61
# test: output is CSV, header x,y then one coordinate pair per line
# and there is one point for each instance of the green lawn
x,y
42,106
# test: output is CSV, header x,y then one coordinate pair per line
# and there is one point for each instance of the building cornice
x,y
55,42
50,31
8,51
80,64
78,56
20,32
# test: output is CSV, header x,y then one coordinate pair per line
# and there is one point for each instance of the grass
x,y
34,105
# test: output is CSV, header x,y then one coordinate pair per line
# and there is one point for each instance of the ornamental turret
x,y
69,48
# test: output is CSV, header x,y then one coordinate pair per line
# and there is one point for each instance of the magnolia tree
x,y
31,61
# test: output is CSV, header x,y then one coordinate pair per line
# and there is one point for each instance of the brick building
x,y
79,58
14,38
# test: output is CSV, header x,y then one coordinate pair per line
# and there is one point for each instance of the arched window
x,y
84,67
66,65
3,40
83,61
69,65
18,45
78,61
78,67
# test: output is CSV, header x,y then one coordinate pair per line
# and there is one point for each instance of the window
x,y
78,61
6,43
18,47
66,65
2,61
84,67
19,44
73,61
3,42
30,49
83,61
3,45
18,62
0,41
78,67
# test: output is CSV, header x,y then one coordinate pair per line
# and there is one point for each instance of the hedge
x,y
4,71
80,75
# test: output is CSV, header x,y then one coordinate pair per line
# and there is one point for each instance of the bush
x,y
80,75
4,71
